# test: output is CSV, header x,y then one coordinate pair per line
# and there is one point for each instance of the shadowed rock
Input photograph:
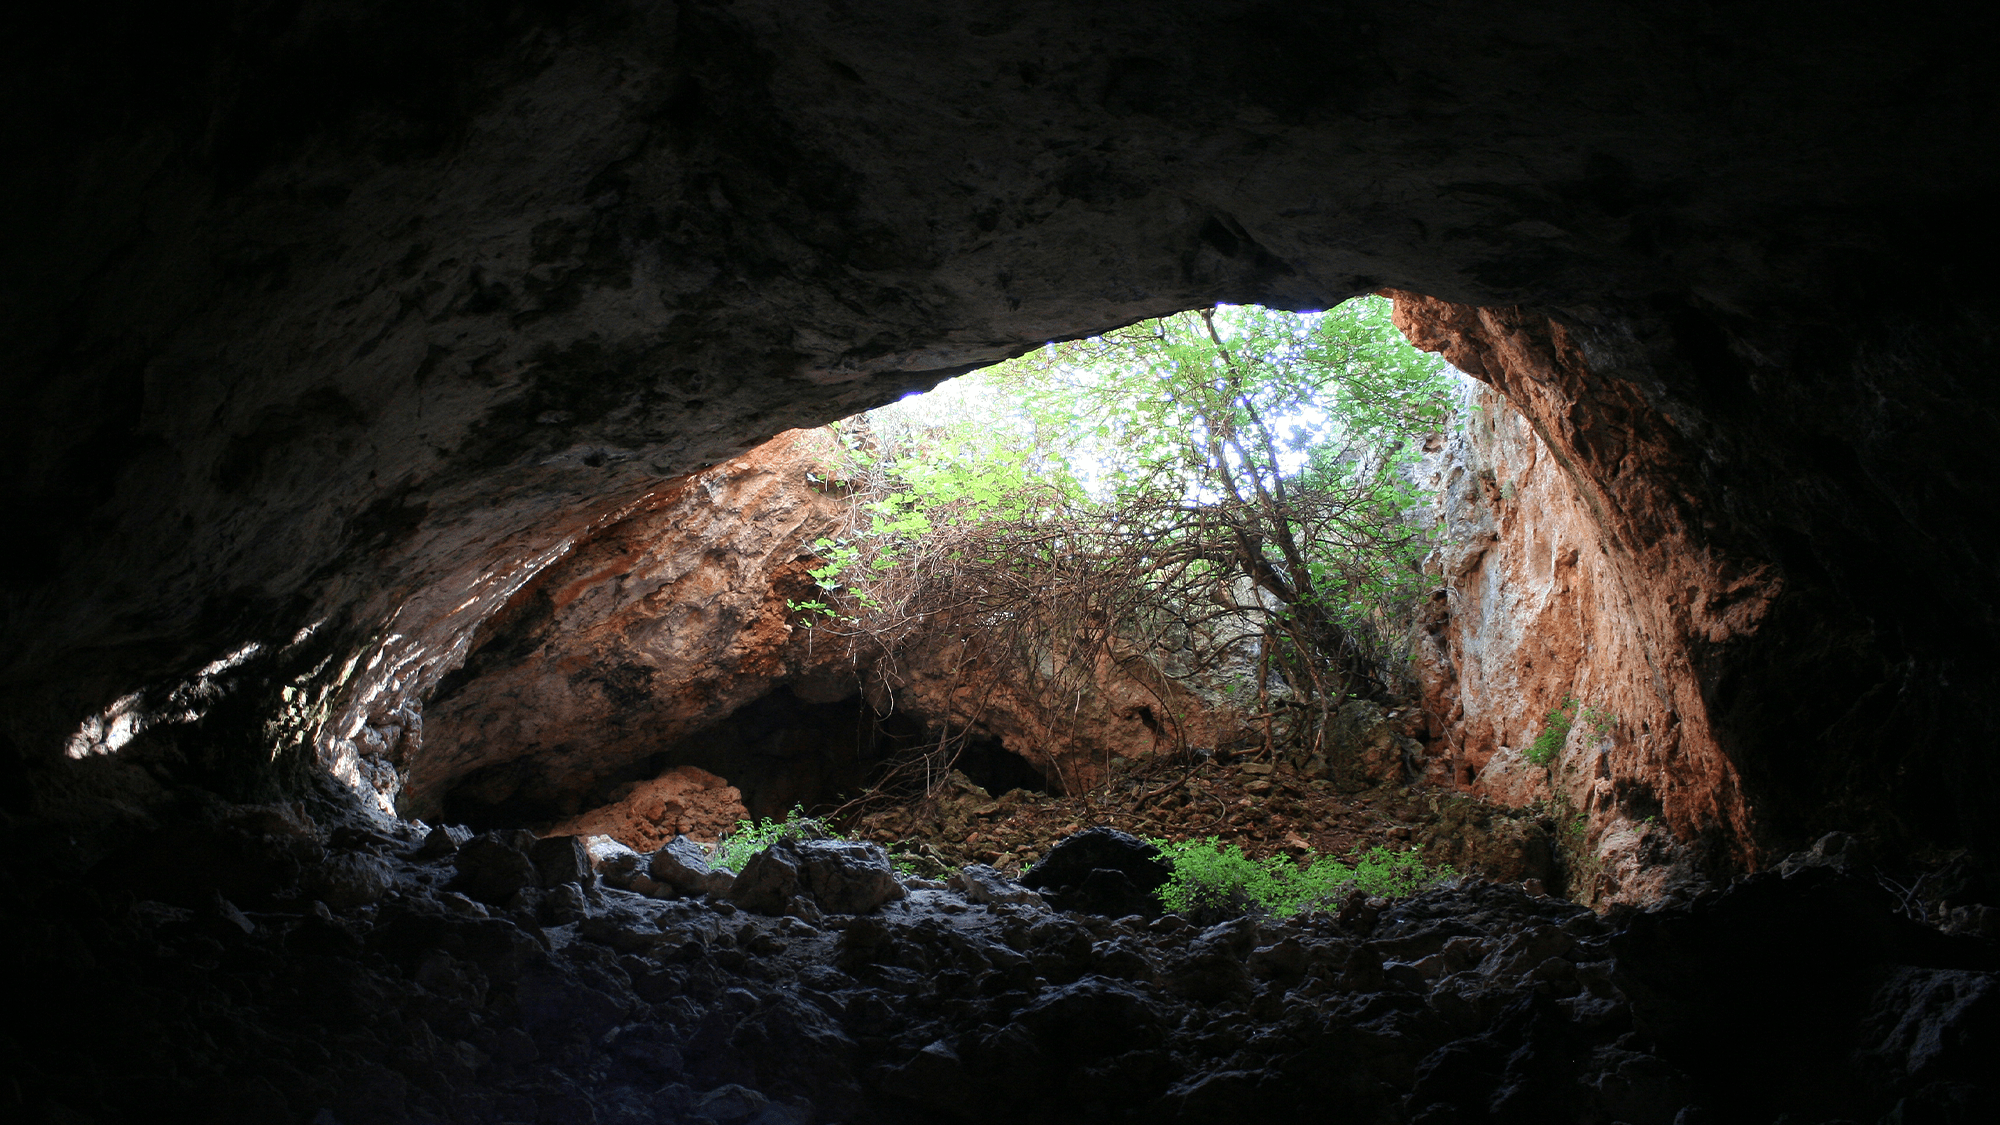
x,y
492,866
1103,871
837,876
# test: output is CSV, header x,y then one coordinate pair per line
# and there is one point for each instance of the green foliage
x,y
1211,878
1557,724
749,837
1293,430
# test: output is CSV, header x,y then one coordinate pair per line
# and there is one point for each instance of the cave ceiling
x,y
325,314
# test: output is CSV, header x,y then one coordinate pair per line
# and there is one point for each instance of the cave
x,y
351,346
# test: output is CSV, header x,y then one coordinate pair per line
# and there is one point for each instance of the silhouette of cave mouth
x,y
780,750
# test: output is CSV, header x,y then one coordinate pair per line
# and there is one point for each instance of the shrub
x,y
1211,879
749,837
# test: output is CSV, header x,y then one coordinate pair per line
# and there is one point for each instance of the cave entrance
x,y
1214,514
1197,532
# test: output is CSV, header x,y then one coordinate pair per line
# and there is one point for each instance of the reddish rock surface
x,y
665,639
643,634
1570,571
684,801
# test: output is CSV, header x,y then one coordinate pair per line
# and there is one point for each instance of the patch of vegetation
x,y
749,837
1557,724
1217,880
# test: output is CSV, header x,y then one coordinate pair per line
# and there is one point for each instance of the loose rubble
x,y
817,986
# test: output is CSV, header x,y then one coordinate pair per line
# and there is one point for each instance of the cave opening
x,y
1078,523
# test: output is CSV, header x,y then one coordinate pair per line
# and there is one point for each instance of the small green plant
x,y
912,861
1211,879
810,611
1557,724
749,837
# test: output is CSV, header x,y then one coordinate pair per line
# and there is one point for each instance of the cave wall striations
x,y
369,295
639,648
1569,572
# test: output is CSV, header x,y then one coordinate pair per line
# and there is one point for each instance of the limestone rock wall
x,y
1559,588
654,628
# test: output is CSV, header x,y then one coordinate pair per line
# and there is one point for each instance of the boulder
x,y
559,860
442,841
685,800
847,876
983,884
622,868
1101,871
769,883
838,876
683,866
348,881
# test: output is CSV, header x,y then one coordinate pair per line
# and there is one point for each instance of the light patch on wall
x,y
110,730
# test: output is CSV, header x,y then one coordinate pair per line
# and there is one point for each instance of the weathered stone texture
x,y
648,634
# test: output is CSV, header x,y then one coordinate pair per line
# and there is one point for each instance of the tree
x,y
1153,485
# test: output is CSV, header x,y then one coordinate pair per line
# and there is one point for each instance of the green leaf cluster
x,y
1278,445
1557,724
1211,879
749,837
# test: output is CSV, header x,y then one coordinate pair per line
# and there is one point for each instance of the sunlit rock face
x,y
1598,549
1538,610
659,626
331,329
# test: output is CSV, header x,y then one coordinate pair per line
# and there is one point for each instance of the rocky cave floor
x,y
280,963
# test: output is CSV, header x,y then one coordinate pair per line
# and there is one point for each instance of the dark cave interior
x,y
330,327
779,750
